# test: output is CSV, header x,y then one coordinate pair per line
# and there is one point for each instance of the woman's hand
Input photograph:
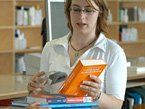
x,y
92,88
37,82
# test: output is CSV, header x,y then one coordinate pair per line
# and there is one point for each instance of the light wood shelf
x,y
7,33
31,50
135,77
26,27
133,49
135,84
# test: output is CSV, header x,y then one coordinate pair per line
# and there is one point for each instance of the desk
x,y
139,106
11,108
20,108
13,86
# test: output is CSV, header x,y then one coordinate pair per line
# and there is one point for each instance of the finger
x,y
38,74
89,89
38,78
95,78
92,84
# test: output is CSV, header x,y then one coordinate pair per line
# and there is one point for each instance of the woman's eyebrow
x,y
80,6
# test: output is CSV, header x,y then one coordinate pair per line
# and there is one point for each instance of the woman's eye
x,y
77,9
89,11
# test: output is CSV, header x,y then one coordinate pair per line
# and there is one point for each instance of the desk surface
x,y
31,107
13,86
139,106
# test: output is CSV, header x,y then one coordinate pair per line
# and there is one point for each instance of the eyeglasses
x,y
86,10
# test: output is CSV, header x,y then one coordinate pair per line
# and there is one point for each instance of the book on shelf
x,y
72,105
133,13
140,91
125,104
81,71
137,97
58,99
131,102
134,70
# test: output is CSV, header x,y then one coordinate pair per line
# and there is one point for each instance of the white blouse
x,y
56,58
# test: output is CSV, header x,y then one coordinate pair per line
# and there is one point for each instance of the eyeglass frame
x,y
84,10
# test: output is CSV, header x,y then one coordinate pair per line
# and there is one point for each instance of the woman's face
x,y
83,16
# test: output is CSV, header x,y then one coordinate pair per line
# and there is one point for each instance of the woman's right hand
x,y
37,82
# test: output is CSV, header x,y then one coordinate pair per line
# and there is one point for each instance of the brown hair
x,y
102,19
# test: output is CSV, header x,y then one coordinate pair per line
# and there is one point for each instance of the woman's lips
x,y
81,24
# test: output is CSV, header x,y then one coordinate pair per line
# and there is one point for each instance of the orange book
x,y
82,70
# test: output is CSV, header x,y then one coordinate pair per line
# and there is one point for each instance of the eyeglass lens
x,y
86,10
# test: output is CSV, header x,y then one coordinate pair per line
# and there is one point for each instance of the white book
x,y
133,70
131,102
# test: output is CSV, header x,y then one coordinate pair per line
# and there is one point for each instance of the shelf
x,y
132,23
128,23
30,50
132,42
5,52
6,27
29,0
131,0
26,27
135,84
135,77
7,33
113,23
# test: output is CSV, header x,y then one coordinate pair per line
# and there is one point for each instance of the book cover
x,y
70,100
41,98
140,91
137,97
75,108
131,102
81,71
125,104
74,105
19,104
48,99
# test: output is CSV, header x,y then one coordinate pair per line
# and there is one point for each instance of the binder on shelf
x,y
137,97
140,91
131,102
125,104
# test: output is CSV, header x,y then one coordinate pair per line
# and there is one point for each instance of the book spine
x,y
75,108
69,79
70,100
70,105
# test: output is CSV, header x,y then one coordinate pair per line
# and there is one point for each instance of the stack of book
x,y
59,102
76,98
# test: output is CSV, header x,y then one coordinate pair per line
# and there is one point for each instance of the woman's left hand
x,y
92,88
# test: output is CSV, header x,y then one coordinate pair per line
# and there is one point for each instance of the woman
x,y
87,21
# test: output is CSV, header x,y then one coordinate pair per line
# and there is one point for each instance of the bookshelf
x,y
133,49
129,47
7,33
